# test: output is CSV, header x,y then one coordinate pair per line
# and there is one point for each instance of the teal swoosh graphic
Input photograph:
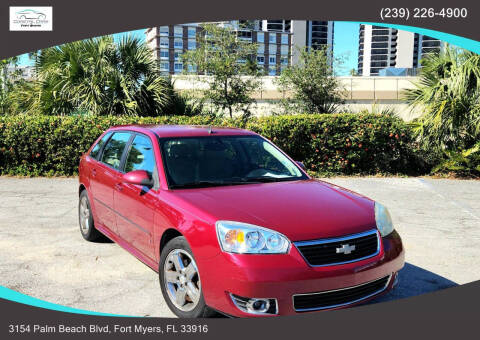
x,y
456,40
8,294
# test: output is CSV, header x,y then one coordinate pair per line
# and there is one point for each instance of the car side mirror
x,y
138,177
302,165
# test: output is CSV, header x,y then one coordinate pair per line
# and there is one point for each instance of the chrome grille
x,y
339,297
340,250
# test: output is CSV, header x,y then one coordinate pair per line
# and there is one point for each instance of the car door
x,y
136,204
104,175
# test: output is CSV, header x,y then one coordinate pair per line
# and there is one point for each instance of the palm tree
x,y
7,81
448,92
102,77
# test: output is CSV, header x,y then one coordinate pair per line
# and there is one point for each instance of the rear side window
x,y
98,147
112,153
140,156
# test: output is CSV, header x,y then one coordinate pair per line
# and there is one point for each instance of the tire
x,y
175,253
85,219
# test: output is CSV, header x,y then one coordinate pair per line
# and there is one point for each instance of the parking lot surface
x,y
42,253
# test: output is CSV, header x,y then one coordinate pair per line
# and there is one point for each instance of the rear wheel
x,y
85,219
180,280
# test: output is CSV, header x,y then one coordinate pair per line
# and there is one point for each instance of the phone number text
x,y
422,13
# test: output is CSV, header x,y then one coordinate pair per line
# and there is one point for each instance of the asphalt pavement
x,y
42,253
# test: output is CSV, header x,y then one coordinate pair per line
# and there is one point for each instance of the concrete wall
x,y
405,45
370,93
299,38
367,50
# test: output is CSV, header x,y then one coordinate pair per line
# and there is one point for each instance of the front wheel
x,y
180,281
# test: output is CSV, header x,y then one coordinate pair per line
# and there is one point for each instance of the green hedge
x,y
327,144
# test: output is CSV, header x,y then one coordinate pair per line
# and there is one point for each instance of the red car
x,y
232,224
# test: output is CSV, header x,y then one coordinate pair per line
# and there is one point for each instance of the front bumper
x,y
282,276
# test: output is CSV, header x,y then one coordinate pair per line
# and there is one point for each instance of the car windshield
x,y
194,162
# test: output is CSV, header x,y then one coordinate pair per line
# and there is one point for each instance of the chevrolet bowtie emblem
x,y
346,249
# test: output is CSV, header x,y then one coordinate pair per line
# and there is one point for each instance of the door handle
x,y
94,172
119,186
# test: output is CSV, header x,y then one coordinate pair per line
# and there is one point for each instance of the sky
x,y
345,45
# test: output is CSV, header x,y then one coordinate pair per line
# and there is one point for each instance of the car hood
x,y
301,210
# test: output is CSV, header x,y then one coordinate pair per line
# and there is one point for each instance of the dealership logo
x,y
31,18
345,249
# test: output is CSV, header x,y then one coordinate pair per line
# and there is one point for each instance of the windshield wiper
x,y
247,180
267,179
205,184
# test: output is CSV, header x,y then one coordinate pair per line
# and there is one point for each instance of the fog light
x,y
258,305
255,305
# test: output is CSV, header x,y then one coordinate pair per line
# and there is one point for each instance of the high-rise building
x,y
170,42
383,47
277,41
311,34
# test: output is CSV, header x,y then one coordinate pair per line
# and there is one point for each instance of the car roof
x,y
185,130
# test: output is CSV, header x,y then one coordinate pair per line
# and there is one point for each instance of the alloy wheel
x,y
84,215
181,279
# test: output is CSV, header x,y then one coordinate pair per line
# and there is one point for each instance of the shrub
x,y
462,162
344,143
327,144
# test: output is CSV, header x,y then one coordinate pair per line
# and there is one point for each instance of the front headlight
x,y
384,221
243,238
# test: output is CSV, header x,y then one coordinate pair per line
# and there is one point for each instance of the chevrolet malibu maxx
x,y
234,225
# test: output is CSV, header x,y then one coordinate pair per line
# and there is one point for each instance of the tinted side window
x,y
112,153
96,149
140,156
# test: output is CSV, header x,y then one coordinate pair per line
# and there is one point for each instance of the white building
x,y
277,40
383,47
20,71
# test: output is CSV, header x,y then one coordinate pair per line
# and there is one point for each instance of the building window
x,y
164,66
244,35
261,59
285,39
272,70
284,49
178,43
192,68
178,55
192,32
272,59
272,38
272,49
163,54
164,42
260,37
380,45
261,48
178,67
178,31
164,31
284,61
192,44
